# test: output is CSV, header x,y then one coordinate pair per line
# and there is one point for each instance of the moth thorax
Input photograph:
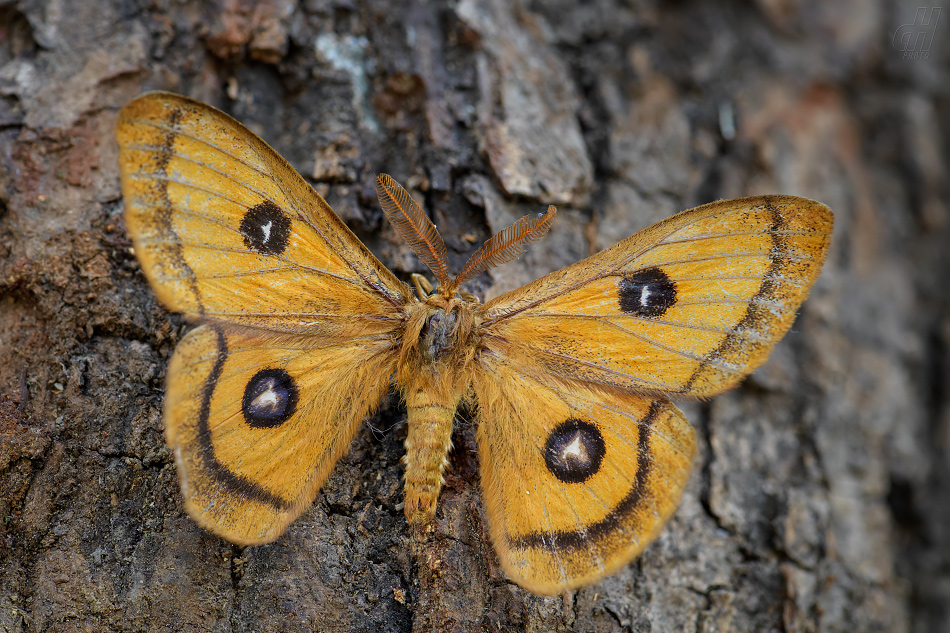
x,y
438,335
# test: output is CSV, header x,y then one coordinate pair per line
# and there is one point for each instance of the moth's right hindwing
x,y
577,481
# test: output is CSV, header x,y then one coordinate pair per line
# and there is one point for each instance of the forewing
x,y
688,307
256,421
225,229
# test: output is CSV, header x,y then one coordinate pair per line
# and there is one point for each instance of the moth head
x,y
435,328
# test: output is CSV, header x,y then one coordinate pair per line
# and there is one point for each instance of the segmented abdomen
x,y
427,447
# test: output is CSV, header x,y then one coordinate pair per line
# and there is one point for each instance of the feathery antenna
x,y
413,226
505,246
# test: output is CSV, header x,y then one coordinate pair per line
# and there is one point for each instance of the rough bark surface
x,y
819,499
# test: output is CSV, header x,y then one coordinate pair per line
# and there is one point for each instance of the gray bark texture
x,y
819,499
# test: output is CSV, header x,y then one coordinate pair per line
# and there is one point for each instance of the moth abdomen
x,y
428,443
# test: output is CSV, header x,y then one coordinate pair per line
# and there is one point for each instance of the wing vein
x,y
716,236
242,251
613,272
608,318
658,386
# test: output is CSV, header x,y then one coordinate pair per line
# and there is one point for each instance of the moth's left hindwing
x,y
300,320
257,420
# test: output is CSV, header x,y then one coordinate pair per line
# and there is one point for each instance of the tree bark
x,y
819,497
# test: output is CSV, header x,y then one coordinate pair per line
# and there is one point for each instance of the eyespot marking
x,y
574,451
266,228
270,398
647,293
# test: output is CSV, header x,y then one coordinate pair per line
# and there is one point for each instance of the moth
x,y
301,331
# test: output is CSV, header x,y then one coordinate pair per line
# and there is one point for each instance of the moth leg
x,y
423,285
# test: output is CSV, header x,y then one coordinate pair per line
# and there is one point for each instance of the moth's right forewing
x,y
687,307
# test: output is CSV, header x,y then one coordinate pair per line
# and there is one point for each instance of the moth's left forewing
x,y
226,230
689,306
